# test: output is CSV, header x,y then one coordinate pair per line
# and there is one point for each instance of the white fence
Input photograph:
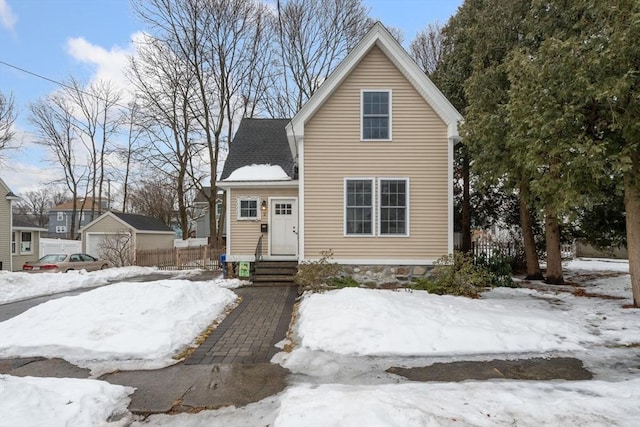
x,y
190,243
59,246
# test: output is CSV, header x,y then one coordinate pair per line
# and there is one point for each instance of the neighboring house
x,y
25,243
201,212
137,231
6,220
61,214
364,169
19,240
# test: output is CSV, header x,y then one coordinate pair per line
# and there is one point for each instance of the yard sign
x,y
244,269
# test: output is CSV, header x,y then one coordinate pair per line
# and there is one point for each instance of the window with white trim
x,y
358,207
60,216
13,242
249,208
393,203
25,242
376,114
61,229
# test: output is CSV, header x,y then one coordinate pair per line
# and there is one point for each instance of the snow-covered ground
x,y
19,286
127,325
70,402
346,339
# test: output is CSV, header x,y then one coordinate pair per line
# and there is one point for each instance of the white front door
x,y
283,226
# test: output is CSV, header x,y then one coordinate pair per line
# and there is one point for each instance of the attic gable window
x,y
376,115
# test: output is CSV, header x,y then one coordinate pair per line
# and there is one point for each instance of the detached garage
x,y
116,236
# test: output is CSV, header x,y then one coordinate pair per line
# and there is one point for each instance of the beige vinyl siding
x,y
333,151
244,234
108,224
154,240
5,228
20,259
146,240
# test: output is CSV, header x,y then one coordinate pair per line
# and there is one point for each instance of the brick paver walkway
x,y
249,333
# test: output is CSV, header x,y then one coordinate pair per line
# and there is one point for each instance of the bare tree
x,y
7,118
313,37
35,206
219,43
427,48
59,195
155,199
165,90
117,248
132,119
97,122
53,120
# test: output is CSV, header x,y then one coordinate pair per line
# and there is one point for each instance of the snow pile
x,y
469,403
597,264
122,326
259,173
618,287
17,286
231,283
62,402
416,323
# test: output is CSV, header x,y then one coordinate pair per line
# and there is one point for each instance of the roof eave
x,y
380,36
17,227
240,184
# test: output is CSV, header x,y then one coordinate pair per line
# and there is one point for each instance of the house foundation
x,y
384,276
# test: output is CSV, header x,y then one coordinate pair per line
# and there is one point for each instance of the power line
x,y
62,84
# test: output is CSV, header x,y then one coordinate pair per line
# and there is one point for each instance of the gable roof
x,y
25,225
204,194
261,142
68,206
138,222
142,222
377,36
9,195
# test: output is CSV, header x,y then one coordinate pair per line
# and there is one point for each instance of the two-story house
x,y
364,169
60,216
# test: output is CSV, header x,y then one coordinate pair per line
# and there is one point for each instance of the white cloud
x,y
7,18
24,177
110,64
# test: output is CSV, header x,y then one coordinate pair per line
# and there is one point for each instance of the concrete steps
x,y
275,273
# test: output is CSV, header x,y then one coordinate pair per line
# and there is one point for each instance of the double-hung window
x,y
393,207
248,208
25,242
358,207
376,115
386,202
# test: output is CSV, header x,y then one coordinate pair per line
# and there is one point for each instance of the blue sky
x,y
90,38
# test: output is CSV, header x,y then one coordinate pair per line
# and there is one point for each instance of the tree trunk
x,y
466,202
632,210
221,219
554,256
530,253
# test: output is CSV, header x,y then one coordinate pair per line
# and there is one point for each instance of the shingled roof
x,y
22,224
141,222
259,142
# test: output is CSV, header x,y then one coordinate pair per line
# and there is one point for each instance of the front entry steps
x,y
275,273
